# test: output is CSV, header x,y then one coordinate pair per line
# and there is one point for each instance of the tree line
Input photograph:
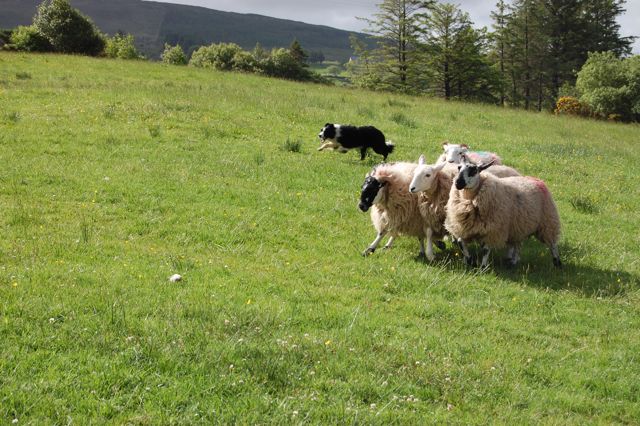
x,y
566,55
530,59
58,27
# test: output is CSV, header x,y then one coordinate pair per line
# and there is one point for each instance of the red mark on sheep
x,y
540,184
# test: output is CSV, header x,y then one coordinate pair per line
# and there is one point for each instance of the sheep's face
x,y
469,174
454,152
371,193
329,131
424,177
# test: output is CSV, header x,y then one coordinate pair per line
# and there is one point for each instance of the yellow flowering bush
x,y
570,106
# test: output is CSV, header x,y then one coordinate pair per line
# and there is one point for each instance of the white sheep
x,y
433,183
453,153
500,212
394,209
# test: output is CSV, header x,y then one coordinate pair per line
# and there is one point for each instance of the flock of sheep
x,y
468,196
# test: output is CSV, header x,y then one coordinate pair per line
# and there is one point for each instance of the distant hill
x,y
152,24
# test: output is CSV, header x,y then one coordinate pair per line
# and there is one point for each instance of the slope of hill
x,y
117,174
153,24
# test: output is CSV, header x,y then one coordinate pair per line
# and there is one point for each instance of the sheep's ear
x,y
445,145
464,145
485,166
439,166
421,160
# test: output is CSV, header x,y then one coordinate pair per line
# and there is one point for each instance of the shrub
x,y
219,56
334,70
230,57
173,55
245,61
568,105
282,64
29,39
122,47
68,30
610,85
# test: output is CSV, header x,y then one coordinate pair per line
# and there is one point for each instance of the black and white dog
x,y
344,138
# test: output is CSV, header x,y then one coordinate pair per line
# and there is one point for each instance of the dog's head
x,y
328,132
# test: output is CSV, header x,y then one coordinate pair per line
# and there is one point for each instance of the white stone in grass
x,y
175,278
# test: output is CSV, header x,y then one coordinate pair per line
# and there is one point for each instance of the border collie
x,y
344,138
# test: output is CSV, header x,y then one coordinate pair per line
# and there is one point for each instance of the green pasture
x,y
116,175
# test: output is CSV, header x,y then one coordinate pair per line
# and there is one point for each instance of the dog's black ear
x,y
327,124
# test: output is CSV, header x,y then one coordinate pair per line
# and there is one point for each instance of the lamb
x,y
394,210
433,183
453,154
501,212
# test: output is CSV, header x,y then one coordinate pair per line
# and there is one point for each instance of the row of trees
x,y
534,52
288,63
58,27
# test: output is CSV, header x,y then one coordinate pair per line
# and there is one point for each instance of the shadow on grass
x,y
536,270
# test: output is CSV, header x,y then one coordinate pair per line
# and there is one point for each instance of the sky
x,y
342,13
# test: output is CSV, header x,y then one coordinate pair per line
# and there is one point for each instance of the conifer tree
x,y
396,60
298,54
457,55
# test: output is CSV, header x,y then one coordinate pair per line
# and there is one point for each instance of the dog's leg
x,y
325,145
363,153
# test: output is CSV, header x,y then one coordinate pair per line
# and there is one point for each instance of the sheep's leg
x,y
465,252
430,255
421,241
372,247
389,243
486,251
513,255
556,255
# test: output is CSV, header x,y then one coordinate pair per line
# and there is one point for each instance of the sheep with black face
x,y
433,183
499,212
394,210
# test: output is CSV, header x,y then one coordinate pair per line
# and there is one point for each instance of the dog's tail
x,y
390,147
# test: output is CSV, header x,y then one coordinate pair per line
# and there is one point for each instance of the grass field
x,y
116,175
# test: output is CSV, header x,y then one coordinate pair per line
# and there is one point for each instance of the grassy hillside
x,y
155,23
118,174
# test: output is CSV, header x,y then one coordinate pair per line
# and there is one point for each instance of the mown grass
x,y
118,174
